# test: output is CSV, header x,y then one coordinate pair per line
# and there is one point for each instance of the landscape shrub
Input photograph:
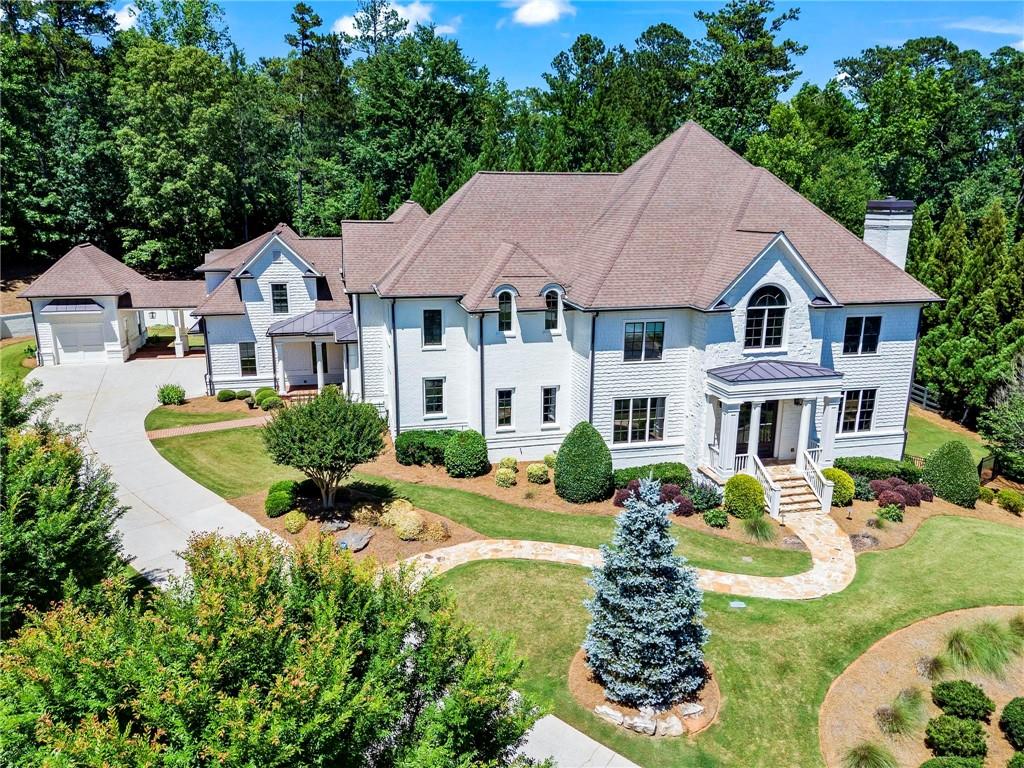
x,y
436,530
948,735
842,492
504,478
950,761
1017,761
550,458
924,491
744,496
880,486
278,503
264,392
583,466
271,403
986,494
867,754
910,495
294,521
170,394
367,512
862,488
287,486
620,496
891,498
963,699
716,518
950,471
759,528
878,468
987,646
538,473
408,525
509,462
669,491
242,394
466,455
904,714
673,472
684,506
1011,722
420,447
891,513
226,395
1012,501
704,494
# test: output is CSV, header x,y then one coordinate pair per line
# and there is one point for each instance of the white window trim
x,y
511,332
255,357
506,427
643,347
629,430
552,425
560,320
287,299
860,341
423,331
788,306
856,421
444,398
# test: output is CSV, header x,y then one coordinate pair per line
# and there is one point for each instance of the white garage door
x,y
79,341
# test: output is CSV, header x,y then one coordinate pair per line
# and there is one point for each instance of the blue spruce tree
x,y
645,642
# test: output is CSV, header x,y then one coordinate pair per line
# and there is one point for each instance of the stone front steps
x,y
797,496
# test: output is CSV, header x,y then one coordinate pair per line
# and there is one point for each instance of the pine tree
x,y
426,189
646,636
369,207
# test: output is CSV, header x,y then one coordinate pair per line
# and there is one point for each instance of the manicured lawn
x,y
157,335
167,416
11,355
232,463
924,436
774,660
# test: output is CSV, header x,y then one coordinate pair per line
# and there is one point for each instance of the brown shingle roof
x,y
371,246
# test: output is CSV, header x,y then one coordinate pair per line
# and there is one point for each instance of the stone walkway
x,y
833,562
214,426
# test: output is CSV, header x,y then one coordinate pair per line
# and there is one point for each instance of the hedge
x,y
948,735
422,446
842,492
950,471
878,468
963,699
1012,501
226,395
954,762
583,466
278,503
673,472
466,455
744,497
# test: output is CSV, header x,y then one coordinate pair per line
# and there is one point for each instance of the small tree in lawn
x,y
325,438
646,636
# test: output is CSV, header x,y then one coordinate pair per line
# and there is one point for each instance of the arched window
x,y
766,318
551,310
505,311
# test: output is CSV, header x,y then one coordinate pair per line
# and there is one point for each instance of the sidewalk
x,y
213,426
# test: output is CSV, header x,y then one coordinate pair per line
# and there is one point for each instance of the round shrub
x,y
422,446
892,513
963,699
242,394
704,495
271,403
537,473
1011,722
1017,761
278,503
549,459
669,491
923,491
226,395
436,530
910,495
509,462
842,493
948,735
620,496
367,512
879,486
950,471
171,394
684,506
466,455
264,392
504,478
891,498
986,494
744,496
583,466
1012,501
409,525
284,486
954,762
716,518
294,521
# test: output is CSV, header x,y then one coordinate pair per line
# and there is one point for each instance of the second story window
x,y
766,319
279,298
551,311
505,311
643,341
861,336
433,335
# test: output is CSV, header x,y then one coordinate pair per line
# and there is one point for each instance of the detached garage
x,y
90,308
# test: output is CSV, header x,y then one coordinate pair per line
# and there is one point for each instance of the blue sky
x,y
516,39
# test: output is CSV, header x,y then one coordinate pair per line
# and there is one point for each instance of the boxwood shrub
x,y
948,735
504,478
986,494
549,459
842,492
744,496
226,395
287,486
583,466
950,761
466,455
1012,501
672,472
278,503
271,403
264,392
537,473
509,462
422,446
1011,722
963,699
878,468
242,394
949,470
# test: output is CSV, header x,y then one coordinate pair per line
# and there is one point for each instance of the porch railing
x,y
713,455
772,491
741,462
822,488
815,454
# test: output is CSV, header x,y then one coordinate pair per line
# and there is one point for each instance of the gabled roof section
x,y
370,247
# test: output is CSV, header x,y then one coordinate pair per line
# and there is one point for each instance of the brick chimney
x,y
887,228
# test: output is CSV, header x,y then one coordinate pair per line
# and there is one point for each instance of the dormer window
x,y
276,256
505,311
551,311
766,319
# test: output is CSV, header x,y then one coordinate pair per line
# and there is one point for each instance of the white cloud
x,y
992,26
450,27
415,13
126,17
346,25
535,13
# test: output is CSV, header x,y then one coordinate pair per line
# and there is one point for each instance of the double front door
x,y
765,433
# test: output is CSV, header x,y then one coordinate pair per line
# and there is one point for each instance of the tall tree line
x,y
163,141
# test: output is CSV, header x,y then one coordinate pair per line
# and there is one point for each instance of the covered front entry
x,y
312,350
767,431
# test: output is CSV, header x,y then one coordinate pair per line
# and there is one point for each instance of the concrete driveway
x,y
165,506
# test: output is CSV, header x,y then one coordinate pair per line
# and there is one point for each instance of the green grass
x,y
773,660
167,416
233,463
924,436
11,355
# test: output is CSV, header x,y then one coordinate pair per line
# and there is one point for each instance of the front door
x,y
766,434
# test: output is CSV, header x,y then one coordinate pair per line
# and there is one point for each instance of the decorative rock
x,y
355,541
691,709
747,559
640,724
737,604
333,526
608,713
670,726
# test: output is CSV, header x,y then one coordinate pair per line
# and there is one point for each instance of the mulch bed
x,y
589,694
873,680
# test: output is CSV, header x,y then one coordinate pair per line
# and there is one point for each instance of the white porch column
x,y
179,347
319,366
709,421
804,435
727,438
755,426
829,419
282,388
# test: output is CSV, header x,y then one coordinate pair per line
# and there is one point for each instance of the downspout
x,y
273,362
209,368
593,330
359,346
913,375
480,343
35,332
394,350
347,373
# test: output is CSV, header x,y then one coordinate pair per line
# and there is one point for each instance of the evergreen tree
x,y
369,207
378,26
646,636
426,189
